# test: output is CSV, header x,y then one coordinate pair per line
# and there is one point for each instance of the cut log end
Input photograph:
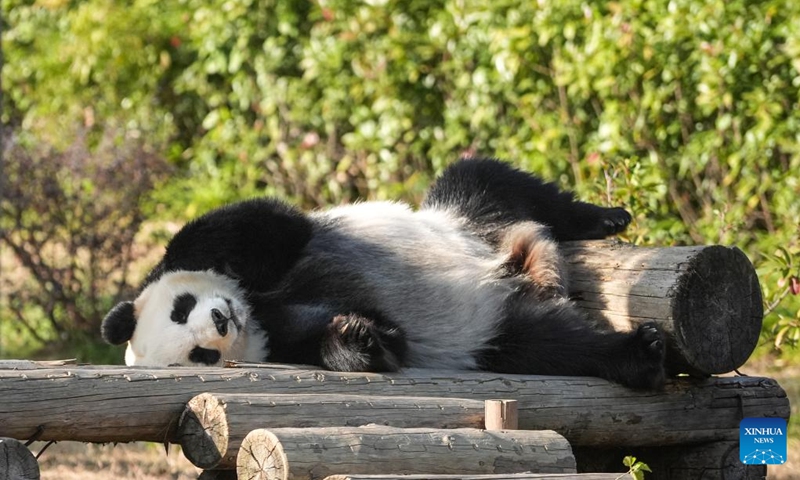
x,y
717,310
261,457
16,461
203,431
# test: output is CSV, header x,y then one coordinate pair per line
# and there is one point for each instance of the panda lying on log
x,y
472,280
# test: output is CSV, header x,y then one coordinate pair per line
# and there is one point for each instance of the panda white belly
x,y
424,271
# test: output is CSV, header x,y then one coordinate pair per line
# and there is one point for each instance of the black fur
x,y
204,355
551,338
256,242
182,307
119,324
494,196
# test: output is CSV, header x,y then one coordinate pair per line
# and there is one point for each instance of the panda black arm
x,y
317,335
493,195
255,241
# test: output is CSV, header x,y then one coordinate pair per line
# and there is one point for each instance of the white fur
x,y
157,340
436,280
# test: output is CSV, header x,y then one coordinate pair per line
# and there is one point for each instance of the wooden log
x,y
501,415
105,404
505,476
16,461
311,453
212,426
706,298
709,461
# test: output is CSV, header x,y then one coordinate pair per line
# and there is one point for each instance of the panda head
x,y
182,318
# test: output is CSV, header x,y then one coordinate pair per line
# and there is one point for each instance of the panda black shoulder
x,y
254,241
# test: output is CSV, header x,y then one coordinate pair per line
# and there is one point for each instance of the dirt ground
x,y
142,461
139,461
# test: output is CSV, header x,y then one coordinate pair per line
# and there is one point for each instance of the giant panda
x,y
471,280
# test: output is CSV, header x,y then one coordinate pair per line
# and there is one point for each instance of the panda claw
x,y
647,362
616,220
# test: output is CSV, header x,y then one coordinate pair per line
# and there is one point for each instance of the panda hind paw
x,y
649,351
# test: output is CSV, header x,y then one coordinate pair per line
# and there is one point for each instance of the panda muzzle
x,y
220,321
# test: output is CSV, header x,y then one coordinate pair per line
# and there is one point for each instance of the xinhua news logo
x,y
762,441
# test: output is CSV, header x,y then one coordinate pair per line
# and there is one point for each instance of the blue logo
x,y
762,441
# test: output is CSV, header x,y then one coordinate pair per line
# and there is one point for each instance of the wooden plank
x,y
310,453
105,404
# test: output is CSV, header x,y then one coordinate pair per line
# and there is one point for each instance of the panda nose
x,y
220,321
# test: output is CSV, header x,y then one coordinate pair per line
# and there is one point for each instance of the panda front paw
x,y
354,343
614,220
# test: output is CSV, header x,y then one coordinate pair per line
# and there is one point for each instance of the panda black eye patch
x,y
204,355
181,307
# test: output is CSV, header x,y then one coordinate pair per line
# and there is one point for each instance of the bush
x,y
68,222
684,110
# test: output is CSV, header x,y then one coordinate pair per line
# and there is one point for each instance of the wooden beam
x,y
706,298
105,404
309,453
212,427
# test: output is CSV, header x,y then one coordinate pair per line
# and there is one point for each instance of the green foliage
x,y
686,111
636,469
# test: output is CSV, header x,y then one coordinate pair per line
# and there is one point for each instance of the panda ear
x,y
119,324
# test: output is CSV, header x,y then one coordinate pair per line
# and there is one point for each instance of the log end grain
x,y
16,461
717,311
261,457
203,431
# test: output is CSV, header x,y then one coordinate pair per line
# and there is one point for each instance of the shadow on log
x,y
709,461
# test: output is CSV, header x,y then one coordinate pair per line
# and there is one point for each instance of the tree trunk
x,y
315,453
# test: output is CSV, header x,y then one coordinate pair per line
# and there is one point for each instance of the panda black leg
x,y
493,195
355,343
553,338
